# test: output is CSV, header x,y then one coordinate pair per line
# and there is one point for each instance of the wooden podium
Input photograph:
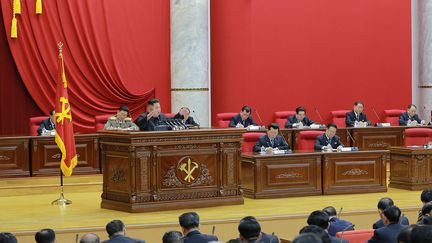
x,y
165,170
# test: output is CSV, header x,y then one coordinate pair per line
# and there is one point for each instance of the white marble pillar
x,y
422,57
190,58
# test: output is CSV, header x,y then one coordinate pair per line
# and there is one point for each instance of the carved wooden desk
x,y
45,155
313,173
150,171
373,138
410,168
14,156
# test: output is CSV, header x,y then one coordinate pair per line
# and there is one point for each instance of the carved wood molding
x,y
355,172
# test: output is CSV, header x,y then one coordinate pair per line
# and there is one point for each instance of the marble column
x,y
190,58
422,57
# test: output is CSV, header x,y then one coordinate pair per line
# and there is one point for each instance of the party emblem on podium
x,y
188,170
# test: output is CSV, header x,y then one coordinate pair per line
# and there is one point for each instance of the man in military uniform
x,y
121,121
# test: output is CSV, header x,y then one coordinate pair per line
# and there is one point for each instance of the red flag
x,y
63,119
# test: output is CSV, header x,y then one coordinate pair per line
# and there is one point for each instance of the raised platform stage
x,y
26,207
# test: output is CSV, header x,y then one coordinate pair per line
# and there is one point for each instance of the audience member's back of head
x,y
405,235
307,238
330,211
90,238
318,231
6,237
189,220
115,227
426,209
427,220
393,214
426,196
172,237
318,218
45,236
421,234
384,203
249,228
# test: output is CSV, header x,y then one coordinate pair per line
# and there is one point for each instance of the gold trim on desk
x,y
190,89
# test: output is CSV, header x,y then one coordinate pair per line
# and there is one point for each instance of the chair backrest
x,y
170,115
34,124
100,121
392,116
417,136
306,140
280,117
356,236
249,140
223,119
338,117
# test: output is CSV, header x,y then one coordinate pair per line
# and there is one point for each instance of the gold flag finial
x,y
60,47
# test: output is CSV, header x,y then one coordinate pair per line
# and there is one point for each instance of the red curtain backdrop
x,y
116,53
279,54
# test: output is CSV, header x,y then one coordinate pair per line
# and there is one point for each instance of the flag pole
x,y
62,201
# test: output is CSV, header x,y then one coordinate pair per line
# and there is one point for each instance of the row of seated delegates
x,y
48,125
299,120
149,120
121,121
272,140
243,119
410,118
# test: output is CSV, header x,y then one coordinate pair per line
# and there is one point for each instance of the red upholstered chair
x,y
306,140
249,140
34,124
280,117
338,117
356,236
417,136
392,116
223,119
170,115
101,120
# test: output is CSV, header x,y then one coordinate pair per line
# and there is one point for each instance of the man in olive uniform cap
x,y
121,121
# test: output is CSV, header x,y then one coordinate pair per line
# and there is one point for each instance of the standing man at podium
x,y
243,119
410,118
356,117
149,120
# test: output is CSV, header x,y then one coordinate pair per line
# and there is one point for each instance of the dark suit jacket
x,y
189,121
45,124
123,239
339,225
149,125
279,142
292,119
387,234
266,238
350,119
197,237
322,140
404,117
379,224
237,119
334,239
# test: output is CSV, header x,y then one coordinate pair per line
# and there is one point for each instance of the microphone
x,y
259,117
213,229
351,226
340,212
272,237
376,114
319,115
196,117
76,238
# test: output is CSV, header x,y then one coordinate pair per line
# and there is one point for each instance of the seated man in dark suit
x,y
336,224
45,236
420,234
149,120
321,219
89,238
392,228
426,212
271,141
328,140
384,203
356,117
250,228
47,125
299,119
184,115
307,238
172,237
316,230
243,119
425,197
6,237
189,223
410,118
117,233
